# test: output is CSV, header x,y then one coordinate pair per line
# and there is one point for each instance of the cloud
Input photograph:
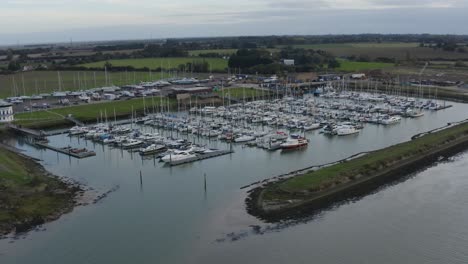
x,y
415,3
298,4
211,17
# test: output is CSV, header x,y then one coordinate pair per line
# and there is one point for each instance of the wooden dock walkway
x,y
68,151
202,157
27,131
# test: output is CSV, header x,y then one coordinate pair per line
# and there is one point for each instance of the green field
x,y
219,51
397,50
90,112
37,82
217,64
27,193
352,66
385,45
357,45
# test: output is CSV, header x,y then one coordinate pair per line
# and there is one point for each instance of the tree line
x,y
264,61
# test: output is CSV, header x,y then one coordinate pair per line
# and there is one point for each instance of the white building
x,y
358,76
288,62
6,112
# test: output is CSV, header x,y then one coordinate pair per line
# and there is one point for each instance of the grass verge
x,y
29,196
89,112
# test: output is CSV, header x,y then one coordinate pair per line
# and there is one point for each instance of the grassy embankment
x,y
303,189
217,64
28,195
89,112
37,82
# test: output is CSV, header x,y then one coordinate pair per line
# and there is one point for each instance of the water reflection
x,y
168,217
308,215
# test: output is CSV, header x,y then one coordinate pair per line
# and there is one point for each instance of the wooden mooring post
x,y
205,181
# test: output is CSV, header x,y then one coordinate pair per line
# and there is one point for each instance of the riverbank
x,y
29,195
312,191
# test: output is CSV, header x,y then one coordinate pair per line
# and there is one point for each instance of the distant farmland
x,y
226,52
391,50
217,64
350,66
219,51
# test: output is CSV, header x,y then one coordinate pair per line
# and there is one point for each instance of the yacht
x,y
152,149
131,144
77,130
390,120
414,114
345,130
329,129
309,127
178,156
109,140
293,143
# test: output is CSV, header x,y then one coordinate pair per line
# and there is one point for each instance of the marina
x,y
209,190
206,132
272,124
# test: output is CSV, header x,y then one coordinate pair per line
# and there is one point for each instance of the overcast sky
x,y
39,21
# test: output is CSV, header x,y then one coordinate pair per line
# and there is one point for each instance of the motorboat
x,y
293,143
132,143
390,120
414,114
309,127
178,156
77,130
152,149
345,130
109,140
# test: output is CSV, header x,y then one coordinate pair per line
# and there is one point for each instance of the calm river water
x,y
171,219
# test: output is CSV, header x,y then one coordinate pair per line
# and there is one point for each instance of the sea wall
x,y
290,208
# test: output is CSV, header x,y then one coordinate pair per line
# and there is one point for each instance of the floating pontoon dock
x,y
202,157
68,151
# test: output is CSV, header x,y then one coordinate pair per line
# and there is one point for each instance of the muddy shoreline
x,y
69,191
358,188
